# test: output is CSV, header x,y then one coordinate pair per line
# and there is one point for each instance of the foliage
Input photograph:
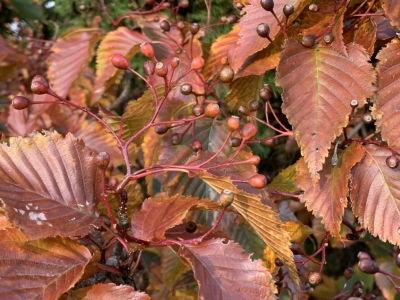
x,y
139,139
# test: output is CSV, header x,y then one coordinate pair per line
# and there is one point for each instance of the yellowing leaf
x,y
243,91
298,232
270,257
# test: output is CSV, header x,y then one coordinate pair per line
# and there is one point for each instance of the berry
x,y
102,160
148,67
254,105
231,19
354,103
367,118
313,7
328,38
226,75
258,181
239,5
198,110
235,142
268,5
254,160
20,102
392,161
194,28
197,63
368,266
314,278
164,25
161,128
190,227
270,143
263,30
184,3
175,62
176,139
264,94
278,262
120,62
82,7
248,131
397,260
356,292
223,19
233,123
358,285
180,25
226,198
369,297
40,79
352,237
288,10
348,273
308,40
197,146
296,249
161,69
212,110
147,50
186,89
38,88
224,60
362,255
243,110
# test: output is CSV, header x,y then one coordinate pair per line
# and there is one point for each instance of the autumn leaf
x,y
285,181
49,185
392,10
298,232
364,35
328,198
262,218
39,269
157,215
375,194
121,41
108,291
385,109
249,41
224,272
243,91
70,54
315,112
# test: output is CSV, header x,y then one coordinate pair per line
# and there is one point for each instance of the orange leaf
x,y
392,10
375,195
308,77
108,291
328,198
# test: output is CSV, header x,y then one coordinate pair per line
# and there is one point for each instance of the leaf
x,y
385,109
108,291
172,268
224,272
364,34
328,198
70,54
392,10
243,91
285,181
49,185
315,112
262,218
95,137
137,114
121,41
375,194
158,215
40,269
386,287
249,41
225,45
298,232
4,222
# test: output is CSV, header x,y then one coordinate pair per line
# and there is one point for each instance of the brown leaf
x,y
224,272
50,185
121,41
328,198
172,267
225,45
4,221
262,218
375,194
364,34
40,269
386,109
316,113
70,54
392,10
243,91
158,215
108,291
249,41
